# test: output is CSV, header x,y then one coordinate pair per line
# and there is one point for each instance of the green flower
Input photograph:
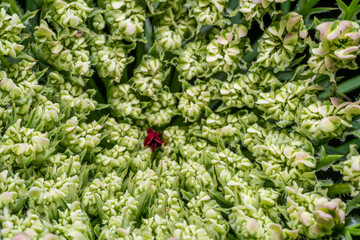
x,y
338,47
281,42
66,13
313,215
125,19
10,32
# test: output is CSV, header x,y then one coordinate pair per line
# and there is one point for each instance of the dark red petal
x,y
153,146
148,141
158,140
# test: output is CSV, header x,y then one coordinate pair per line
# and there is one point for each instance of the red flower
x,y
153,139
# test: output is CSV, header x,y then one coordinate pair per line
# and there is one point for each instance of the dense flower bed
x,y
177,119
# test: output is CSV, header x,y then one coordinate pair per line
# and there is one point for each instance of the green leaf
x,y
28,15
348,12
325,161
352,204
148,35
95,12
99,205
349,85
285,6
320,10
144,203
219,198
339,189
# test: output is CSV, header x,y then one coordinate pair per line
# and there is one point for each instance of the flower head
x,y
153,139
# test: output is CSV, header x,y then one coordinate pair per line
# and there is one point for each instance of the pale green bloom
x,y
225,51
125,18
256,9
44,192
195,177
31,226
79,136
326,119
109,56
207,12
104,188
282,104
66,13
115,158
20,146
281,42
148,76
173,25
350,169
313,215
64,50
338,47
10,32
190,62
194,99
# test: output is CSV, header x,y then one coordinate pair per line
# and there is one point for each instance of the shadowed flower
x,y
153,139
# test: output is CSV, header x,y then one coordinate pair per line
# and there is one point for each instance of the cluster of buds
x,y
198,151
43,193
207,12
118,215
168,172
10,32
244,90
123,101
207,212
228,163
190,62
148,76
175,137
64,50
251,223
72,223
45,114
144,181
114,158
219,128
173,25
66,13
281,42
254,215
194,99
20,146
256,9
104,188
161,110
282,104
142,160
59,164
338,47
13,191
195,177
225,52
326,119
165,214
313,215
350,169
79,136
109,56
71,96
122,134
283,156
31,226
18,86
125,19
